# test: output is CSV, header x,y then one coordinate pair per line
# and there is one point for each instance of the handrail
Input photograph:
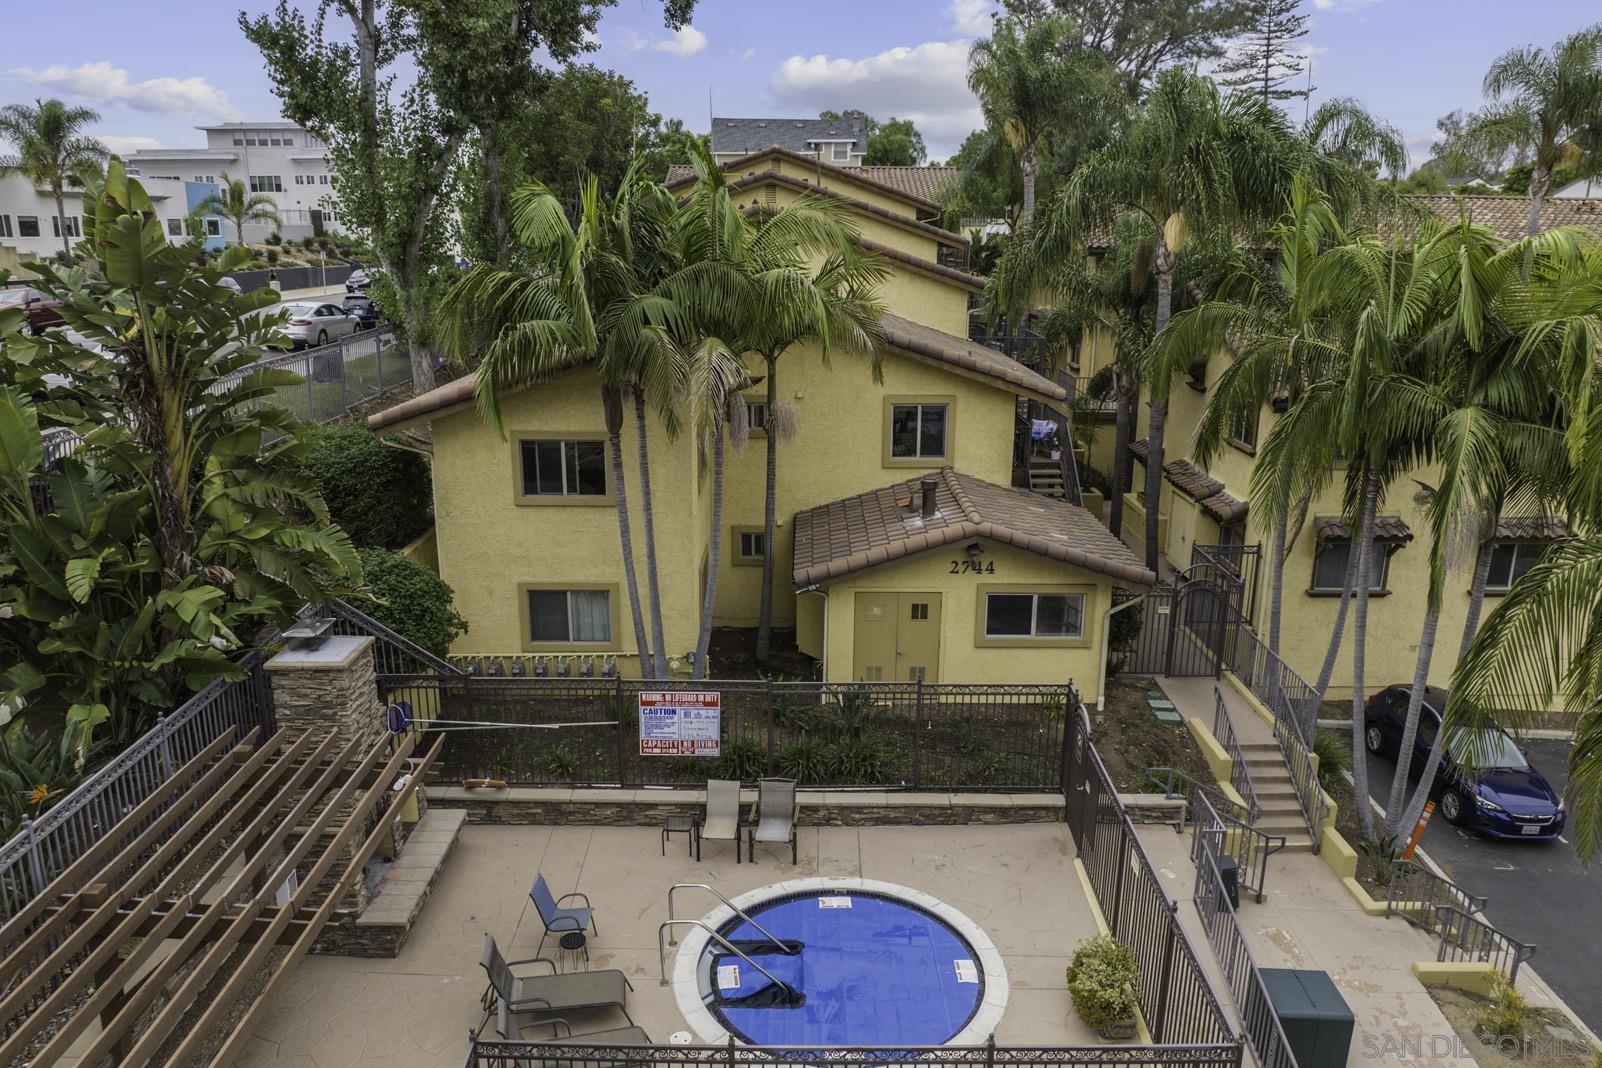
x,y
732,906
1255,846
1413,892
1303,768
1465,937
1240,776
661,951
1223,804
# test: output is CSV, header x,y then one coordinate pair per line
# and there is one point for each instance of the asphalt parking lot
x,y
1538,892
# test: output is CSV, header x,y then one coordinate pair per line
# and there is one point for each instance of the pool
x,y
856,962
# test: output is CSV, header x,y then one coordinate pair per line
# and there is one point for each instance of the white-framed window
x,y
213,227
322,179
569,615
563,468
1034,615
27,226
5,225
842,151
1510,560
239,138
1330,561
71,222
175,228
300,179
266,183
918,431
753,544
756,415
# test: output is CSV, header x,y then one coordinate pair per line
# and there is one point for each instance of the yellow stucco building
x,y
903,548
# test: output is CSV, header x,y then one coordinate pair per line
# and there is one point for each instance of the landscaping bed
x,y
1131,739
1551,1038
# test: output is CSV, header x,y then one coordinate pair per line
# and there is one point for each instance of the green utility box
x,y
1317,1022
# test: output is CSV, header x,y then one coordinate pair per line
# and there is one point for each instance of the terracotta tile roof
x,y
905,221
678,175
1508,215
846,536
974,282
1533,528
960,352
928,181
1337,528
1196,484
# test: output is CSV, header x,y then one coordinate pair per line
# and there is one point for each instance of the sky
x,y
181,63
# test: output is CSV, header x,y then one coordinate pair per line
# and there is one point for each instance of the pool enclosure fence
x,y
508,1054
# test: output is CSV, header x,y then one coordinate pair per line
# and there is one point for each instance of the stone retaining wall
x,y
650,808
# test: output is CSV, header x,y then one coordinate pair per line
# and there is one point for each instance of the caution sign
x,y
681,723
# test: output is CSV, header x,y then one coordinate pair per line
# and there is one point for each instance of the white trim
x,y
686,966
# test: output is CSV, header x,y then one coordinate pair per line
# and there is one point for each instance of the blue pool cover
x,y
872,971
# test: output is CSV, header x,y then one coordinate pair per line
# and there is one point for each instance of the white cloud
x,y
743,57
971,18
927,83
127,145
101,83
685,42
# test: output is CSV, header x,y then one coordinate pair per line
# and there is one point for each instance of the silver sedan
x,y
313,323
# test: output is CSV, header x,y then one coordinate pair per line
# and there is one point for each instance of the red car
x,y
43,310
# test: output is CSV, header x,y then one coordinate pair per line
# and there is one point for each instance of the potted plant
x,y
1104,982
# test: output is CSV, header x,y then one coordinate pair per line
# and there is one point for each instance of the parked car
x,y
362,307
231,284
1502,797
313,323
360,280
41,309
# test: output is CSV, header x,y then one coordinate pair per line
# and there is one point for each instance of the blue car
x,y
1503,798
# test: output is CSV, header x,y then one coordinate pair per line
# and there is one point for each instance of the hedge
x,y
381,496
411,600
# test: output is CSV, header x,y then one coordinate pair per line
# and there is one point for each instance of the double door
x,y
897,637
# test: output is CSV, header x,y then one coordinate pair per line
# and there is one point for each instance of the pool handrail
x,y
661,952
732,907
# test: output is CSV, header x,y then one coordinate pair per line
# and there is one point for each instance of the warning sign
x,y
681,723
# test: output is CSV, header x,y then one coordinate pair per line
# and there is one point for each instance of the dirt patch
x,y
732,655
1131,739
1551,1039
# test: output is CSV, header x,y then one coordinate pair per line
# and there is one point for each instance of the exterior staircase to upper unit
x,y
1281,812
1045,477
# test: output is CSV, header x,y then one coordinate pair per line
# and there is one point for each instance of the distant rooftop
x,y
276,124
798,135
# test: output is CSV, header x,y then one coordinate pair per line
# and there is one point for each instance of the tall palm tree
x,y
51,149
1546,102
587,297
1191,162
1031,80
234,201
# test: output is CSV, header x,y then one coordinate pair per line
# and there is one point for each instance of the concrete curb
x,y
1545,734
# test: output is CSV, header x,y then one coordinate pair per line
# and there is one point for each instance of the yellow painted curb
x,y
1250,698
1364,900
1143,1032
1217,757
1473,976
1338,854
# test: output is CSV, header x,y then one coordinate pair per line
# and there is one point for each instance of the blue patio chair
x,y
554,916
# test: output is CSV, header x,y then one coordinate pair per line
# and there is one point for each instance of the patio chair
x,y
554,916
509,992
722,820
776,812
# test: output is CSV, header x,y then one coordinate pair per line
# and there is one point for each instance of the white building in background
x,y
30,227
279,159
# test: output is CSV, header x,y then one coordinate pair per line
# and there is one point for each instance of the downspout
x,y
1106,636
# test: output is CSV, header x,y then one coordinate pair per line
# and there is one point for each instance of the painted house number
x,y
969,567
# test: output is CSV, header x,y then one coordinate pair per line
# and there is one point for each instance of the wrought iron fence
x,y
1240,559
1223,834
1240,776
1175,999
1272,681
1414,892
504,1054
1176,783
1303,767
585,732
393,654
1466,938
1258,1018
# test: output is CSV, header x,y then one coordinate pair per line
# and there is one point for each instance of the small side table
x,y
690,827
575,943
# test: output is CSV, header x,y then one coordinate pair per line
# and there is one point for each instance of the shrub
x,y
272,257
804,759
855,714
967,736
378,495
1334,757
988,768
560,763
1104,981
1507,1014
275,238
860,759
410,599
744,759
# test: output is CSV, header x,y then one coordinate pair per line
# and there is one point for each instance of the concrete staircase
x,y
1281,812
1045,477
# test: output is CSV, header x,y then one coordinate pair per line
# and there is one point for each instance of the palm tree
x,y
1191,162
1546,102
235,202
51,149
587,297
1031,79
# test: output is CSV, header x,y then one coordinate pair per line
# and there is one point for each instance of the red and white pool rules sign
x,y
681,723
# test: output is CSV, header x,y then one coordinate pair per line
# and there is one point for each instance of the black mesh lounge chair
x,y
776,811
553,993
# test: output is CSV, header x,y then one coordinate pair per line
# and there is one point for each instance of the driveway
x,y
1538,892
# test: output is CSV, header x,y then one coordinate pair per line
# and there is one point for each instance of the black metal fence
x,y
501,1054
1415,893
1467,938
585,732
1175,999
1227,836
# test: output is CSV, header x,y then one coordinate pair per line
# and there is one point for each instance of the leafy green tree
x,y
1547,103
170,535
237,204
411,600
896,143
988,184
379,495
1267,57
51,150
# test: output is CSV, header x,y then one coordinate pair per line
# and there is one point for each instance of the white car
x,y
314,322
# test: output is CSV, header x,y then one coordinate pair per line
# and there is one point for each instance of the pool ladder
x,y
732,907
780,945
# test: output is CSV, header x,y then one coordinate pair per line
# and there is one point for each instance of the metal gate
x,y
1189,627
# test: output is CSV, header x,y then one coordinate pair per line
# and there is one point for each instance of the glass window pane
x,y
1329,566
932,438
592,615
547,471
1528,554
547,615
904,430
589,468
1059,615
1008,614
1501,574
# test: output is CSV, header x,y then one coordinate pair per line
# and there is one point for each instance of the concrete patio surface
x,y
1017,882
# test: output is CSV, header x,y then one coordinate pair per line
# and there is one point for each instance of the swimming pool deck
x,y
1016,881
